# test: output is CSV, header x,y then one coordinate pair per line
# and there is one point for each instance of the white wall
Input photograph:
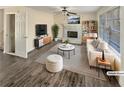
x,y
88,16
60,20
37,17
122,42
1,28
103,10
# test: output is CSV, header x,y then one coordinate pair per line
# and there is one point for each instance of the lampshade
x,y
103,45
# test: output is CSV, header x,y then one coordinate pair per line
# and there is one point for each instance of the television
x,y
41,29
74,19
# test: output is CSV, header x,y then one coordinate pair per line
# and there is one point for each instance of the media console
x,y
41,41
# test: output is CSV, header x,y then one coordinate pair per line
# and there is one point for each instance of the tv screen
x,y
74,19
41,29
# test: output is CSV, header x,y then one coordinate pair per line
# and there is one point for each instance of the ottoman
x,y
54,63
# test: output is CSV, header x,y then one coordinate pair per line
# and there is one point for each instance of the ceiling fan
x,y
66,12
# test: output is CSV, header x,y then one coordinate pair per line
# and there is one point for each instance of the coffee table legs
x,y
63,53
68,54
67,51
74,51
57,51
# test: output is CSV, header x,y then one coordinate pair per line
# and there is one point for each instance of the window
x,y
110,28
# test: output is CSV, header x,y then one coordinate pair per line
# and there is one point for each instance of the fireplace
x,y
72,34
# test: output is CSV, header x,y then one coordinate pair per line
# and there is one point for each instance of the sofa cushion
x,y
98,41
98,49
90,46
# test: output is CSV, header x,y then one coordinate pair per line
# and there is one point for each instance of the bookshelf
x,y
90,26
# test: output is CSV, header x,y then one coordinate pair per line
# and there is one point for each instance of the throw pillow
x,y
98,49
98,42
94,43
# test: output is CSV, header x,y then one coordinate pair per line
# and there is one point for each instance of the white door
x,y
20,35
6,33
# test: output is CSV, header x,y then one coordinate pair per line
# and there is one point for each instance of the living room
x,y
79,59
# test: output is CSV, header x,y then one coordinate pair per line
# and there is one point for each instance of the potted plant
x,y
55,30
66,41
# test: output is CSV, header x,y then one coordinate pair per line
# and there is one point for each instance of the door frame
x,y
2,29
6,33
20,27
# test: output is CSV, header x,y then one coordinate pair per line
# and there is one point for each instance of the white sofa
x,y
92,53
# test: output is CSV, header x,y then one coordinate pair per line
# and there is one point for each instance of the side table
x,y
99,62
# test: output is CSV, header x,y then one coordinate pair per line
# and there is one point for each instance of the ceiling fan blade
x,y
64,10
72,13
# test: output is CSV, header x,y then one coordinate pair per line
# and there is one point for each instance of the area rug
x,y
77,63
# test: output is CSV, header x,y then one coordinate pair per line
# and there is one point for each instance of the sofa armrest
x,y
117,63
110,58
92,57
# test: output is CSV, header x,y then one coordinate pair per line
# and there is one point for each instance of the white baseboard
x,y
31,50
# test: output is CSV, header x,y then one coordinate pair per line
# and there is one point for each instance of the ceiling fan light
x,y
67,14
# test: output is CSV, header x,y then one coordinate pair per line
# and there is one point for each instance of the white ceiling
x,y
77,9
57,9
3,7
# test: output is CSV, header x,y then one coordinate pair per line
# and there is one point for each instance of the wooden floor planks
x,y
18,72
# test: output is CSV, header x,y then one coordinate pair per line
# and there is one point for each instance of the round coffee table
x,y
66,48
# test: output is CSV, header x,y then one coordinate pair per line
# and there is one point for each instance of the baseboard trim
x,y
31,50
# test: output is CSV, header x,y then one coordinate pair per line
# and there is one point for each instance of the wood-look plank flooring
x,y
19,72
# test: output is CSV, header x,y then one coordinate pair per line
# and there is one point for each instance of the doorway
x,y
11,32
15,34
